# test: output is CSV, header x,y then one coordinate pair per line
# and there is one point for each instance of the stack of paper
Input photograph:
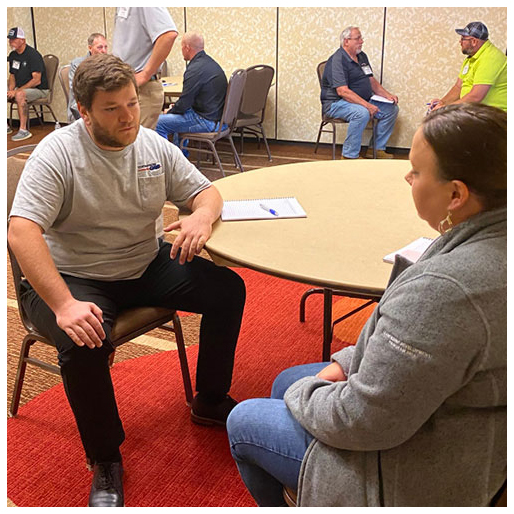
x,y
379,98
412,251
262,209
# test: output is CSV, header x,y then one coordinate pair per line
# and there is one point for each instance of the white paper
x,y
412,251
259,209
379,98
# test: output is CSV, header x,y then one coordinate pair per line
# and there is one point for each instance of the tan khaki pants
x,y
151,100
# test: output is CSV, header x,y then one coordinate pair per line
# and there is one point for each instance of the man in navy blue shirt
x,y
201,103
347,89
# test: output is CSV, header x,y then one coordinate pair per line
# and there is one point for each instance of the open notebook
x,y
262,209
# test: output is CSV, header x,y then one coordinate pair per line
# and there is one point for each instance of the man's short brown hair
x,y
101,72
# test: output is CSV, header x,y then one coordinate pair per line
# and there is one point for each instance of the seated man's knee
x,y
360,112
394,110
20,96
232,287
72,355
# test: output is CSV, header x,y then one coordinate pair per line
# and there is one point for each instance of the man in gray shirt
x,y
143,37
96,44
82,227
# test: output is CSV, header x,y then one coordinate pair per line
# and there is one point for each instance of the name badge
x,y
366,68
123,12
16,65
465,69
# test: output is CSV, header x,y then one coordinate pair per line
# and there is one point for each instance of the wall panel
x,y
422,56
20,17
307,36
239,37
63,31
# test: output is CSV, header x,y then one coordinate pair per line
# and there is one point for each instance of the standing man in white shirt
x,y
143,38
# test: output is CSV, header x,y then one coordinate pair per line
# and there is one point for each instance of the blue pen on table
x,y
272,211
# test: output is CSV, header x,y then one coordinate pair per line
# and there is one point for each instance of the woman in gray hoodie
x,y
415,413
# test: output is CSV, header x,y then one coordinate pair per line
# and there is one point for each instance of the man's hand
x,y
195,230
372,109
142,77
11,94
333,373
81,321
436,103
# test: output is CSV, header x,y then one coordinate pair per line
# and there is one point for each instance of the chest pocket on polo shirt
x,y
152,187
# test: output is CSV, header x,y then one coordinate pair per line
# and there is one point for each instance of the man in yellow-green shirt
x,y
483,75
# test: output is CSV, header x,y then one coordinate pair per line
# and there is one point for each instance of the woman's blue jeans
x,y
267,442
357,117
175,124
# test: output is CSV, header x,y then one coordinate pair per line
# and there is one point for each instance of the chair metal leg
x,y
184,367
373,129
216,156
237,160
10,115
199,155
333,141
241,141
265,141
20,375
319,135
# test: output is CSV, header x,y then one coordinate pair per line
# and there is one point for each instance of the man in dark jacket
x,y
201,103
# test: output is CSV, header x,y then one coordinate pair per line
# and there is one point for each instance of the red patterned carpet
x,y
168,460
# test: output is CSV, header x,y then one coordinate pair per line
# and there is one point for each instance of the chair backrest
x,y
51,65
233,99
15,167
320,69
258,83
64,72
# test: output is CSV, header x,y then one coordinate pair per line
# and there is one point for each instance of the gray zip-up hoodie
x,y
422,417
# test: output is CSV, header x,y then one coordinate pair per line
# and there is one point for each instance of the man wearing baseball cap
x,y
483,75
27,78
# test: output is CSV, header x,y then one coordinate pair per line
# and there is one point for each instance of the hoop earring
x,y
448,222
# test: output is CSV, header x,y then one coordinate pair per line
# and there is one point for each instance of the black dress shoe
x,y
107,486
205,413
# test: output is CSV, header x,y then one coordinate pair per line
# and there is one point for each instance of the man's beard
x,y
104,138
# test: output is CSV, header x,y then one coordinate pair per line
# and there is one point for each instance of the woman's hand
x,y
333,372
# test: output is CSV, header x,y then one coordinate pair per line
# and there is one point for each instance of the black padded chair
x,y
333,122
51,66
253,106
227,124
129,324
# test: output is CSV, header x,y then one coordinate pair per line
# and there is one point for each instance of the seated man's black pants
x,y
198,286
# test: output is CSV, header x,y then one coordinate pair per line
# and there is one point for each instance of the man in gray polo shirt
x,y
143,37
82,227
96,44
